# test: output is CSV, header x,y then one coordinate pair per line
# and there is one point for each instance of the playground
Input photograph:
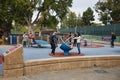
x,y
60,40
33,55
38,58
95,49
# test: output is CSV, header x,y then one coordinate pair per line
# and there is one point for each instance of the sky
x,y
79,6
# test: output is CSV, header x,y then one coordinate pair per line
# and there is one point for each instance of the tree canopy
x,y
109,11
22,11
88,16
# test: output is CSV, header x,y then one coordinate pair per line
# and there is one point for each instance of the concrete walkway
x,y
76,74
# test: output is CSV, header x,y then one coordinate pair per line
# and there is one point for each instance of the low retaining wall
x,y
14,65
13,62
37,66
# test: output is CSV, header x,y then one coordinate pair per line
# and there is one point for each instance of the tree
x,y
72,20
57,7
64,23
63,8
80,22
108,10
21,11
25,9
88,16
5,16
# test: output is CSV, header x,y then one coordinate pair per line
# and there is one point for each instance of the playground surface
x,y
42,53
75,74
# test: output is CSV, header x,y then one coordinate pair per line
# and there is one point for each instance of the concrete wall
x,y
13,62
14,65
37,66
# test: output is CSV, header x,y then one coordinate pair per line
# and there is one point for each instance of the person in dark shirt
x,y
75,40
113,37
1,33
53,41
70,35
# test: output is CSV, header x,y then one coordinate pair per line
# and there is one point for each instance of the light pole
x,y
76,21
76,26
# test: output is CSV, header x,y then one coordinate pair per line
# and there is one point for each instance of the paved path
x,y
76,74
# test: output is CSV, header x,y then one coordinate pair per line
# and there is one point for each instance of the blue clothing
x,y
113,37
112,43
78,46
79,38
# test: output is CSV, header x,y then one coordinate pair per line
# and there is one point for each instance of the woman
x,y
79,38
75,40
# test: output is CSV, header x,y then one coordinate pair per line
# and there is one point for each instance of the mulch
x,y
61,54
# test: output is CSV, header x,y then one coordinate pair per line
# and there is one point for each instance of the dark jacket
x,y
113,36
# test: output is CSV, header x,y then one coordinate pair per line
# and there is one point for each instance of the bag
x,y
54,39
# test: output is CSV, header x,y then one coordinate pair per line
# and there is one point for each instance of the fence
x,y
93,30
96,32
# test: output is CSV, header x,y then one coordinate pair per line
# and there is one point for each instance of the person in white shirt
x,y
25,39
30,39
79,38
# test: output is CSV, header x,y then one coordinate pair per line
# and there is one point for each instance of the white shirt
x,y
79,38
25,37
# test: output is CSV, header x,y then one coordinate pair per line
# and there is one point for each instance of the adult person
x,y
30,38
1,34
18,39
25,39
113,37
3,38
70,37
50,39
79,38
75,40
53,42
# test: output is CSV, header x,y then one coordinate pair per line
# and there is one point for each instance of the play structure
x,y
40,43
65,47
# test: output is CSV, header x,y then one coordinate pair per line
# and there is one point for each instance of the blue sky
x,y
79,6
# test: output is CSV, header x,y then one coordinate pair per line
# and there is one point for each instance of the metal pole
x,y
76,26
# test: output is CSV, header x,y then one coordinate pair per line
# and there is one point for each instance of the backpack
x,y
53,39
